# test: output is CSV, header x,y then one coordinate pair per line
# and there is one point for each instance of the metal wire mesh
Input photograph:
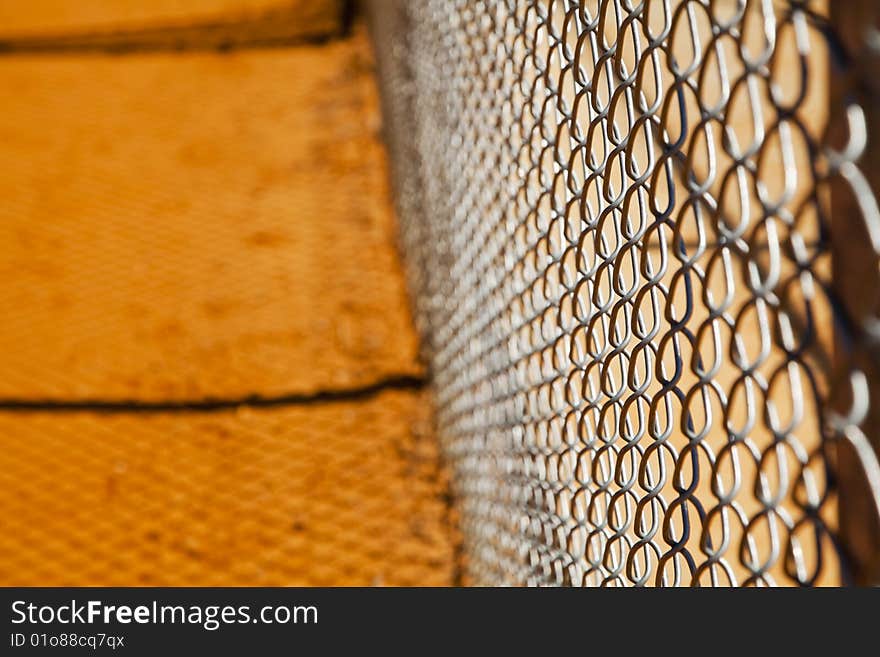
x,y
617,221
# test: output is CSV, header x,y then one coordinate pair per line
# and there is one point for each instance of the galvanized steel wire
x,y
616,219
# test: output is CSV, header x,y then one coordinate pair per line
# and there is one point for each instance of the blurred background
x,y
208,371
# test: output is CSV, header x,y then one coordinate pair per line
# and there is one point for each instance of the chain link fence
x,y
641,238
